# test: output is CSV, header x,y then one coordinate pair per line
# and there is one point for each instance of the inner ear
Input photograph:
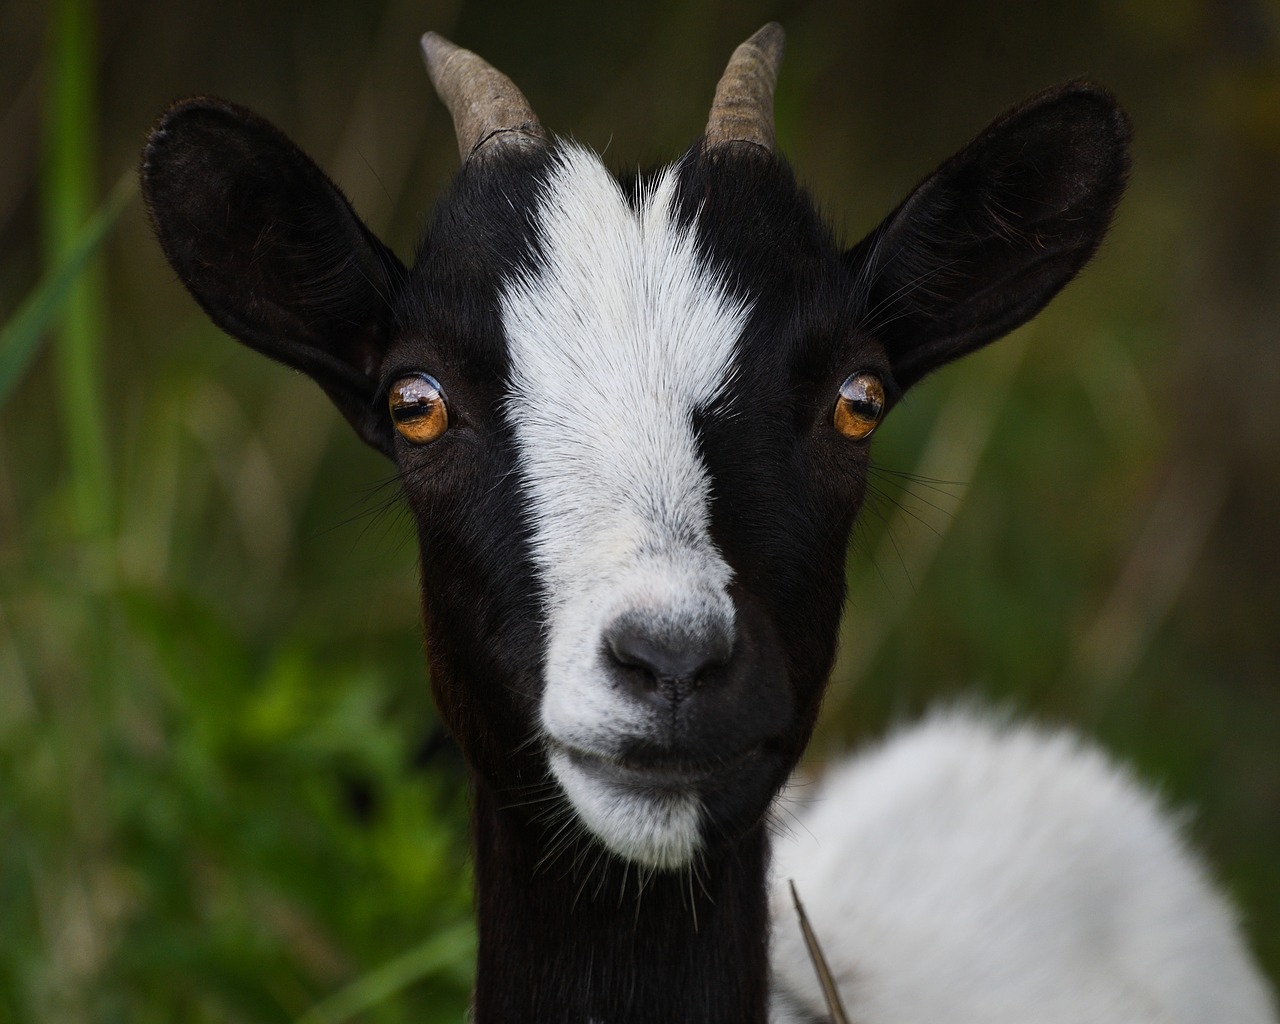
x,y
991,236
273,251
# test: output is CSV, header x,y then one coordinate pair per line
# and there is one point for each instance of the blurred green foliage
x,y
219,796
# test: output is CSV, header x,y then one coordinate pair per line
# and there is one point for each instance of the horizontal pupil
x,y
412,411
864,410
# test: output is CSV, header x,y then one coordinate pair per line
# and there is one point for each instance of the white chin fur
x,y
655,828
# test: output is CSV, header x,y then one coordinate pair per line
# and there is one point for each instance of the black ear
x,y
986,240
273,251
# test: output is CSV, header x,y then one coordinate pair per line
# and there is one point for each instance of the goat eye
x,y
418,408
860,405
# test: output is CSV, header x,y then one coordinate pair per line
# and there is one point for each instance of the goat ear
x,y
272,250
988,239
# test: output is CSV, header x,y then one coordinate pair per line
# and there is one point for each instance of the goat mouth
x,y
654,776
657,808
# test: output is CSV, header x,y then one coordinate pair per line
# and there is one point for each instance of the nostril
x,y
663,658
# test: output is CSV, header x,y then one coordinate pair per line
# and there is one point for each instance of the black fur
x,y
273,252
481,603
586,937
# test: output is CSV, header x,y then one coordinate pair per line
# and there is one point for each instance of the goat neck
x,y
579,936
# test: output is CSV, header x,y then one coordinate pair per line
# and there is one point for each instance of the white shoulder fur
x,y
970,871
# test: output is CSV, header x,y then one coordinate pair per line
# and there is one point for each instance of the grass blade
x,y
447,949
830,992
23,335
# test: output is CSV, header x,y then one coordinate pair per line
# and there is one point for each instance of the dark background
x,y
218,796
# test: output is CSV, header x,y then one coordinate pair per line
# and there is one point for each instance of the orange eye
x,y
860,405
418,408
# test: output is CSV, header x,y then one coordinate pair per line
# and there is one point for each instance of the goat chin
x,y
969,869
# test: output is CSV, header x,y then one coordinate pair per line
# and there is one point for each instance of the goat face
x,y
631,417
641,494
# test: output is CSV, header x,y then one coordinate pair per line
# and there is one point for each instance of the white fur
x,y
971,872
663,825
615,342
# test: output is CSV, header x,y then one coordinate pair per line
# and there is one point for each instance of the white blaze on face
x,y
615,340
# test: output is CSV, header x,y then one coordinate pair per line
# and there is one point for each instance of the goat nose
x,y
668,664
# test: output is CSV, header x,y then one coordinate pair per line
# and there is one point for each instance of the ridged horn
x,y
487,108
742,110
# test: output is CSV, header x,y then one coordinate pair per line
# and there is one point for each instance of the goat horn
x,y
485,104
743,108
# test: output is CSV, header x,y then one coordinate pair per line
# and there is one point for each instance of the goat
x,y
631,417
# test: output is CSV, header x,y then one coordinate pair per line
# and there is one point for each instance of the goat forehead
x,y
619,334
621,297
